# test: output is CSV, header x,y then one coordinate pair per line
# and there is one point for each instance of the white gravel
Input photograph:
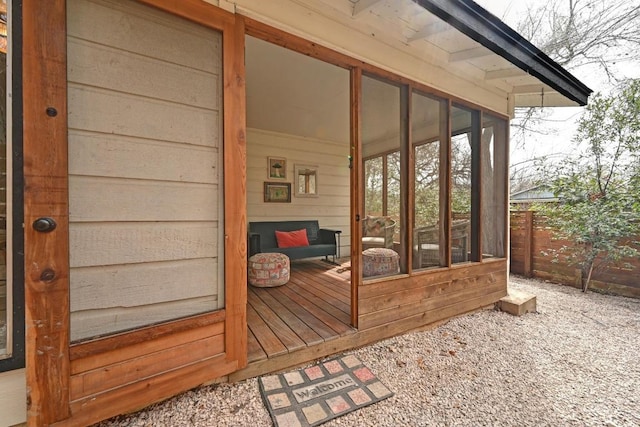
x,y
574,363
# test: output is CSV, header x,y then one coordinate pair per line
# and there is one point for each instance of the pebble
x,y
573,363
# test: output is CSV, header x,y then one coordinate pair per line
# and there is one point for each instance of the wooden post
x,y
528,243
46,211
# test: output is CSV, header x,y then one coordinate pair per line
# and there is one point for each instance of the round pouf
x,y
268,269
380,261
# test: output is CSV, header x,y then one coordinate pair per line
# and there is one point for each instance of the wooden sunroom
x,y
139,138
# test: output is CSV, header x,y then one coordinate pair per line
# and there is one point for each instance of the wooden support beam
x,y
473,53
504,73
46,202
363,6
235,189
430,30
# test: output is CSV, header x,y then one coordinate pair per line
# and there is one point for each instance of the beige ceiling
x,y
291,93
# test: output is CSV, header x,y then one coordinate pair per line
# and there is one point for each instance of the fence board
x,y
622,279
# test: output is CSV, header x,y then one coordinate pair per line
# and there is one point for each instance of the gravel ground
x,y
574,363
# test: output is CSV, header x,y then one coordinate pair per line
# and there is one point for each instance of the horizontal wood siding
x,y
330,208
145,193
142,369
425,298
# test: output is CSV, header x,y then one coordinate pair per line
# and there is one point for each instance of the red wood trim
x,y
126,339
357,189
46,195
445,182
282,38
196,11
136,395
149,364
235,190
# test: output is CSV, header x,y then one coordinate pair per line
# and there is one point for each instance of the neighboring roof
x,y
477,23
539,193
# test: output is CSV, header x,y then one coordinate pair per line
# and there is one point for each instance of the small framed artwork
x,y
277,192
306,180
277,168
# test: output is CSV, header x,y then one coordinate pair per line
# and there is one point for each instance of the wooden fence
x,y
532,243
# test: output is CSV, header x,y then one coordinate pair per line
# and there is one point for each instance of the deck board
x,y
255,351
301,329
312,321
264,335
309,310
316,282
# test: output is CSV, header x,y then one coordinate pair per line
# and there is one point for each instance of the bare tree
x,y
576,33
601,34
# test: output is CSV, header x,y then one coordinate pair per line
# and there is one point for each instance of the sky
x,y
562,124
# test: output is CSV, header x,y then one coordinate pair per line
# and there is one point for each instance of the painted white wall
x,y
13,398
330,208
145,118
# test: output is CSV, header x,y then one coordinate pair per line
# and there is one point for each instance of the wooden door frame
x,y
46,202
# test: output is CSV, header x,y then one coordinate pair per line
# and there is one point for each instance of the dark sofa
x,y
322,242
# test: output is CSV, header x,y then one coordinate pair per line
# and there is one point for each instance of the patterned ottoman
x,y
380,261
268,269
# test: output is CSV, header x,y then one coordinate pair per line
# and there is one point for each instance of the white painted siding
x,y
13,398
330,208
144,167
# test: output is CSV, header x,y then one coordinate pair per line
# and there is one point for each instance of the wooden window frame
x,y
15,246
44,63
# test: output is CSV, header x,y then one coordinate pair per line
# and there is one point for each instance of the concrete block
x,y
517,303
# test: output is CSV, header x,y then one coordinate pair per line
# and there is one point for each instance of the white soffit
x,y
423,32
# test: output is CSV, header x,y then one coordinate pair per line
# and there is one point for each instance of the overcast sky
x,y
562,124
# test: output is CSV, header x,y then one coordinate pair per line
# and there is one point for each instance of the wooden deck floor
x,y
313,308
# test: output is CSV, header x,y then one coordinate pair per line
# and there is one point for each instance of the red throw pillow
x,y
292,239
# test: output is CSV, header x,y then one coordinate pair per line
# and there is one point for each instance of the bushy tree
x,y
599,189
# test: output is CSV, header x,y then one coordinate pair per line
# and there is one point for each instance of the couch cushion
x,y
292,239
374,225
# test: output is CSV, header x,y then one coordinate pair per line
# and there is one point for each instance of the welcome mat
x,y
314,395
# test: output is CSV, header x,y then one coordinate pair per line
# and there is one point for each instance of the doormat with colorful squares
x,y
314,395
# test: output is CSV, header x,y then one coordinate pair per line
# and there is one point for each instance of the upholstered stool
x,y
268,269
380,261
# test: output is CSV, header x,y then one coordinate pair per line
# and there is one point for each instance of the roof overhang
x,y
480,25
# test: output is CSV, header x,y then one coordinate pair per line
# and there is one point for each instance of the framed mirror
x,y
306,178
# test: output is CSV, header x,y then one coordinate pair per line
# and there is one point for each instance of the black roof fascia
x,y
485,28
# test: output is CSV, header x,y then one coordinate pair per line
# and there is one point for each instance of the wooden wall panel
x,y
118,200
120,243
429,293
106,155
104,321
115,375
144,26
145,283
92,63
107,381
135,116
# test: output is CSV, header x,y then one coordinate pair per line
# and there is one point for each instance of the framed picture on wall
x,y
277,192
277,168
